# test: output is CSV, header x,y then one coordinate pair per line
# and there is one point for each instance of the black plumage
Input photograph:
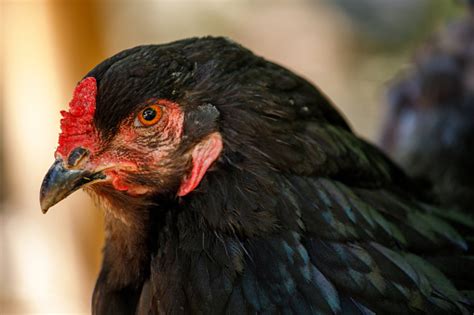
x,y
296,216
429,124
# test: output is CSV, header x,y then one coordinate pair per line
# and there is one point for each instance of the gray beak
x,y
60,182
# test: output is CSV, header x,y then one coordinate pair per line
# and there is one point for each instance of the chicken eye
x,y
150,115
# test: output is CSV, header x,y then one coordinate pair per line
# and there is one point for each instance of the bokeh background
x,y
351,49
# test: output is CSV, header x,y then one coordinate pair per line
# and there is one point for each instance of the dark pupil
x,y
149,114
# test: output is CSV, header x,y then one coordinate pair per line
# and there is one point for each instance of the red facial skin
x,y
135,149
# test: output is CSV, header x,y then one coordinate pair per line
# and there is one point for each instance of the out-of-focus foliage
x,y
393,24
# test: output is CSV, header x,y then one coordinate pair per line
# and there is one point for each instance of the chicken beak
x,y
60,182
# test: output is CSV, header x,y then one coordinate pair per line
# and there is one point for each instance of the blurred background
x,y
351,49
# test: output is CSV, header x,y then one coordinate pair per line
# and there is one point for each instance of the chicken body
x,y
294,215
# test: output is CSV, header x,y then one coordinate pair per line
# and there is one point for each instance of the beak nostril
x,y
76,156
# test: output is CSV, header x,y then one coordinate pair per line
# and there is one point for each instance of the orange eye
x,y
150,115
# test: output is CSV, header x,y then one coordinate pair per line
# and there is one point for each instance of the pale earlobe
x,y
203,155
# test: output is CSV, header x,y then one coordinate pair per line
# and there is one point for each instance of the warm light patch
x,y
77,127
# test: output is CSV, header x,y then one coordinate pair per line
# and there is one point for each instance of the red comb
x,y
77,129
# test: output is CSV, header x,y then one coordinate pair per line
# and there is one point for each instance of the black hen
x,y
429,126
231,185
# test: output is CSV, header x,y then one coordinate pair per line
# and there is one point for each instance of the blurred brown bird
x,y
429,124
